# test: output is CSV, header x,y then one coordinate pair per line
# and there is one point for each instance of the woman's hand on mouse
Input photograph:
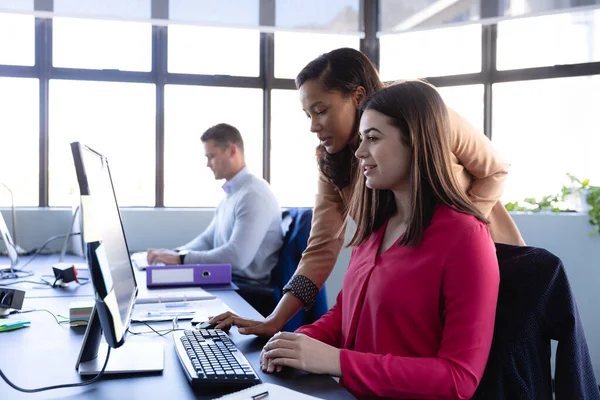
x,y
302,352
268,327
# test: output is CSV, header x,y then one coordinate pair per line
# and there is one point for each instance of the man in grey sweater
x,y
246,229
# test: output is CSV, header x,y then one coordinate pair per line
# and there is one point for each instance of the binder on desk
x,y
267,391
188,275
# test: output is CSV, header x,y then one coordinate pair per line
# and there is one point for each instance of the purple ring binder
x,y
188,275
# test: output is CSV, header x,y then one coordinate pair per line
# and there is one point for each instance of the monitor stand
x,y
130,358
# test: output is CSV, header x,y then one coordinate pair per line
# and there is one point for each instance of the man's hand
x,y
165,256
268,327
302,352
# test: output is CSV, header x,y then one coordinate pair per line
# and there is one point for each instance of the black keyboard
x,y
211,360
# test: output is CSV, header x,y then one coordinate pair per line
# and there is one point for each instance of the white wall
x,y
566,235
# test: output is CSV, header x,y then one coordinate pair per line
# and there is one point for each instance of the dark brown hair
x,y
418,111
223,135
343,70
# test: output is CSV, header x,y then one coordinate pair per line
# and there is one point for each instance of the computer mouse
x,y
208,325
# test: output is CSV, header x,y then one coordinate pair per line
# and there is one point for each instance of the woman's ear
x,y
360,94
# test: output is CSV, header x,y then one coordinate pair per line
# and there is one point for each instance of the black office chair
x,y
535,305
264,298
295,225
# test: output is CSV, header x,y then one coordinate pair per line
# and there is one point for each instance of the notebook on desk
x,y
267,391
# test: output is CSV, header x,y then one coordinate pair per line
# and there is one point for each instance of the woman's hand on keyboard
x,y
299,351
266,364
246,326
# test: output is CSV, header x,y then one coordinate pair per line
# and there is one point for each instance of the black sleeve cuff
x,y
304,289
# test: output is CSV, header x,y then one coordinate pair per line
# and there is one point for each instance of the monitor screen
x,y
107,252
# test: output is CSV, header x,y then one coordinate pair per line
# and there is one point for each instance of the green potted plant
x,y
589,195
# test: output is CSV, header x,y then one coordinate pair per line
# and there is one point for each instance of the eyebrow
x,y
369,130
314,104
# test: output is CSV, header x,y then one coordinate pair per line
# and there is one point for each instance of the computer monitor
x,y
111,272
11,249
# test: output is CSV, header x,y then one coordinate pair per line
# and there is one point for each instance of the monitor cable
x,y
43,389
63,386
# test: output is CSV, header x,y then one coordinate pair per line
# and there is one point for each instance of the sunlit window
x,y
99,44
547,128
194,50
467,101
17,44
294,50
19,141
189,112
548,40
115,119
294,171
437,52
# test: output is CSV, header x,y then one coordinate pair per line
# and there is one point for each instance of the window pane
x,y
294,170
17,43
294,50
334,15
467,101
115,119
17,5
19,138
549,40
216,13
200,50
519,7
410,14
99,44
430,53
545,129
115,9
189,112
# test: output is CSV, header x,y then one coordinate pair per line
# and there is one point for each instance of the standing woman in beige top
x,y
331,88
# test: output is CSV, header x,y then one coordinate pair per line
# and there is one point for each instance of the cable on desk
x,y
54,284
61,323
10,273
160,332
26,281
40,309
63,386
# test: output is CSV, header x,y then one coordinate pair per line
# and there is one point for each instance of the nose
x,y
315,126
361,152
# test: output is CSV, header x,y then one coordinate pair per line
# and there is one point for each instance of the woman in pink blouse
x,y
415,315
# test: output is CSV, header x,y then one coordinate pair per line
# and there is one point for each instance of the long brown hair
x,y
418,111
343,70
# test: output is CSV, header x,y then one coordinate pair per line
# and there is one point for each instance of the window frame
x,y
43,70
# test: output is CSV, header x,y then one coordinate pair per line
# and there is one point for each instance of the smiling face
x,y
332,114
384,157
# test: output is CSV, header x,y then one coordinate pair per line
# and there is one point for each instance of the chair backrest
x,y
535,305
298,223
